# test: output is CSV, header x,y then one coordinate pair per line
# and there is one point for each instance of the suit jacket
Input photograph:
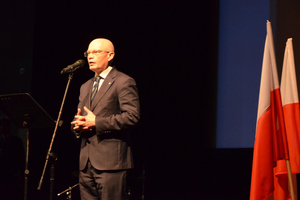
x,y
116,106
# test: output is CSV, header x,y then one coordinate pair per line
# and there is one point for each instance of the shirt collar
x,y
105,72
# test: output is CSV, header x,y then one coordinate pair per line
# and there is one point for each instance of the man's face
x,y
97,61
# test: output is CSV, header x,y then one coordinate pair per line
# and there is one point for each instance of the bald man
x,y
108,107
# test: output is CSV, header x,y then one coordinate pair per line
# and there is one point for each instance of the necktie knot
x,y
97,79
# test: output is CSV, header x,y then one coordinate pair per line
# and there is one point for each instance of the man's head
x,y
100,52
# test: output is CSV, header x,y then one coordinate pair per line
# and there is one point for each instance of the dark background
x,y
171,49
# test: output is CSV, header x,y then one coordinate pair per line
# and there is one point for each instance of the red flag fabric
x,y
270,140
291,111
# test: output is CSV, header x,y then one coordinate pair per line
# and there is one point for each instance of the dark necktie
x,y
95,88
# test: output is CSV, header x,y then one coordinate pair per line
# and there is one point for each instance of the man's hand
x,y
77,123
90,119
84,122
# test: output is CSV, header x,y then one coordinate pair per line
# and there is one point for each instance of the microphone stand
x,y
54,134
52,174
68,192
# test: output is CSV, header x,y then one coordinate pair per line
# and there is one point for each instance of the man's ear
x,y
111,55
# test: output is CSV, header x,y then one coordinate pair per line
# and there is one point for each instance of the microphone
x,y
71,68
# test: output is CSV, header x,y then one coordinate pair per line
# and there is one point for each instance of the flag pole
x,y
290,179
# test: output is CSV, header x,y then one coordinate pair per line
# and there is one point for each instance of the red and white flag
x,y
290,103
270,140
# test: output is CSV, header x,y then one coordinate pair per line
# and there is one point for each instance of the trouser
x,y
102,185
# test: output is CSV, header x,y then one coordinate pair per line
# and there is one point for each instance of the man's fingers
x,y
79,117
86,109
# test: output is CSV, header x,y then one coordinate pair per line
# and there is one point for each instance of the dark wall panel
x,y
16,46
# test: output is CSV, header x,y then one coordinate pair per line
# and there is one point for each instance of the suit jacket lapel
x,y
108,81
87,99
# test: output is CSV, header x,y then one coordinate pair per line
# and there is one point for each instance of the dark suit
x,y
116,106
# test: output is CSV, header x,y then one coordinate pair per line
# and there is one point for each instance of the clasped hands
x,y
84,123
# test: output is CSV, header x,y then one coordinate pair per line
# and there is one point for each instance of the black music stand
x,y
25,112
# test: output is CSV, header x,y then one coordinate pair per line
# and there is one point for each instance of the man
x,y
107,109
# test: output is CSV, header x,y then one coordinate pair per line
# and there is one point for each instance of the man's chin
x,y
93,68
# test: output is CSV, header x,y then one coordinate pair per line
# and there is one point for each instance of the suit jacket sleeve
x,y
121,113
82,98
